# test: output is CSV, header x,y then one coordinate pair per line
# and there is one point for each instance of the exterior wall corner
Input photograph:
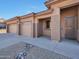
x,y
55,24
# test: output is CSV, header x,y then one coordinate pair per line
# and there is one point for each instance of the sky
x,y
12,8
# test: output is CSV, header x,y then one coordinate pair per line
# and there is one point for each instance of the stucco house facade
x,y
60,21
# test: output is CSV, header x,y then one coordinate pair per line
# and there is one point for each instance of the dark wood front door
x,y
70,27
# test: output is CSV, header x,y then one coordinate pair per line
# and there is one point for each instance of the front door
x,y
70,27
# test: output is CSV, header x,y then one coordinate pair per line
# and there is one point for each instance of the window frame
x,y
47,24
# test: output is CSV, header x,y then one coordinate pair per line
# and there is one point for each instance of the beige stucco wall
x,y
65,3
72,11
26,19
43,16
55,24
12,21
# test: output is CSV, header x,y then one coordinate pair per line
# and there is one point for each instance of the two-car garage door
x,y
26,28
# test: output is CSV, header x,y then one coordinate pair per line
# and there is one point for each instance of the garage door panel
x,y
26,28
13,28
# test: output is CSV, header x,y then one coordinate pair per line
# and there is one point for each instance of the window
x,y
47,24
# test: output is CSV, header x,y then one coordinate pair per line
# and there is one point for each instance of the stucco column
x,y
55,24
36,28
78,26
17,28
33,26
18,23
19,32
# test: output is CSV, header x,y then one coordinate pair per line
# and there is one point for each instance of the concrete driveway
x,y
66,48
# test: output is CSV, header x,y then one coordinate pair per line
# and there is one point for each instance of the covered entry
x,y
26,28
44,27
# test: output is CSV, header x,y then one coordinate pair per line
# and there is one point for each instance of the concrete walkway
x,y
66,48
